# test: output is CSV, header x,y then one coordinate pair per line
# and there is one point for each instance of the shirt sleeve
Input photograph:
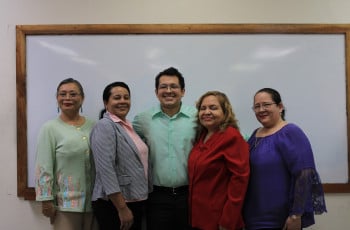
x,y
308,187
44,165
306,193
237,161
104,148
295,149
137,126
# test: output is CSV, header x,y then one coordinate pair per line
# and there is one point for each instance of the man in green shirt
x,y
169,130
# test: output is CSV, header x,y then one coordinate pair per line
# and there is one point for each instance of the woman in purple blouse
x,y
284,190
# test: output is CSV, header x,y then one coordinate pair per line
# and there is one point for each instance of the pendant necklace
x,y
257,141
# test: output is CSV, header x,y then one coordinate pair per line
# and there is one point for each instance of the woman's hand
x,y
125,215
293,223
126,218
49,210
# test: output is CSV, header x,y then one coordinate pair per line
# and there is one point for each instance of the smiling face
x,y
169,93
69,98
267,112
210,113
118,102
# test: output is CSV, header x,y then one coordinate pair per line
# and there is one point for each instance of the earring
x,y
81,109
58,109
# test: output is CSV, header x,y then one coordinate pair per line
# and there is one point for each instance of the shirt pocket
x,y
125,184
124,180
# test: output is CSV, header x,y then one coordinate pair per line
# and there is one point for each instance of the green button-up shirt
x,y
170,140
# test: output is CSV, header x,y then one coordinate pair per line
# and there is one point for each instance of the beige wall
x,y
16,213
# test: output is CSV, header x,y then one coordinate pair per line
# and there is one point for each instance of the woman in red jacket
x,y
218,167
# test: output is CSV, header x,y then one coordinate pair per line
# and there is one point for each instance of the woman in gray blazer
x,y
121,162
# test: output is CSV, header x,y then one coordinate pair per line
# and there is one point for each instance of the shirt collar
x,y
116,119
183,112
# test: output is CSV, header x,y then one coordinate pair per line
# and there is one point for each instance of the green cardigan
x,y
63,169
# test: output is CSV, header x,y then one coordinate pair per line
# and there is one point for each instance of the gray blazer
x,y
117,162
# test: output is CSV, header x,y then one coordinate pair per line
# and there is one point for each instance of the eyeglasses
x,y
166,87
70,94
264,106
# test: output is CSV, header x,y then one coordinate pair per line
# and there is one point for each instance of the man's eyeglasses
x,y
264,106
166,87
66,94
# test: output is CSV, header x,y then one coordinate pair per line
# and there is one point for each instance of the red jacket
x,y
218,178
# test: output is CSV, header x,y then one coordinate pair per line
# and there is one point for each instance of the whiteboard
x,y
307,69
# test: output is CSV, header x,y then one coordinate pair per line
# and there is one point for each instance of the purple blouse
x,y
283,180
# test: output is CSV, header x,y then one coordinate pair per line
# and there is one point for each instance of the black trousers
x,y
167,210
107,215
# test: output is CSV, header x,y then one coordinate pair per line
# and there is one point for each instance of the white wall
x,y
16,213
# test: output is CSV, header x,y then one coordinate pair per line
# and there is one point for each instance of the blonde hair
x,y
229,115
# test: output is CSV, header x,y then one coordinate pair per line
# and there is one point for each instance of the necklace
x,y
257,141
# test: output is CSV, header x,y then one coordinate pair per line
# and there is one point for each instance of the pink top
x,y
141,146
